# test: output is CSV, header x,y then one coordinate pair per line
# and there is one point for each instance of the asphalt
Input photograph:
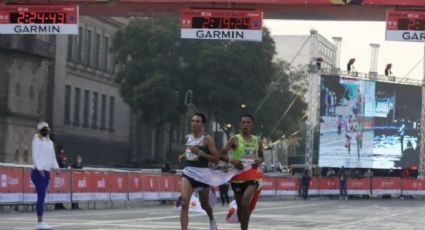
x,y
269,215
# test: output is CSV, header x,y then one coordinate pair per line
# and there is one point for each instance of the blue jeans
x,y
41,183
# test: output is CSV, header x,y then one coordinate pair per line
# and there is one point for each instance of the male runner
x,y
247,155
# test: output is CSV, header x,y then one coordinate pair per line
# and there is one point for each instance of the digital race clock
x,y
405,26
222,24
39,19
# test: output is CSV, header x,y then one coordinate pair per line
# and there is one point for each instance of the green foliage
x,y
277,103
147,51
155,64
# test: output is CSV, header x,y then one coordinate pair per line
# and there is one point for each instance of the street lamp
x,y
228,129
243,106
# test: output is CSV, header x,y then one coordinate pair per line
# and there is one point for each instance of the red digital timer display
x,y
39,14
221,19
223,23
38,17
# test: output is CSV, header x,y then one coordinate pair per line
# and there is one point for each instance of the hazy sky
x,y
356,39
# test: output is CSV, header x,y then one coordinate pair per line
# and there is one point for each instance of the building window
x,y
103,113
111,113
88,48
105,53
86,108
80,44
26,156
111,64
17,156
97,51
67,109
70,47
94,112
77,102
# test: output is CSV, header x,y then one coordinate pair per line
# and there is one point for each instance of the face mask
x,y
44,132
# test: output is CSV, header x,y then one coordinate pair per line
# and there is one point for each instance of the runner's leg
x,y
204,196
245,212
186,192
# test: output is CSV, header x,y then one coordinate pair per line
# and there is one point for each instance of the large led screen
x,y
367,124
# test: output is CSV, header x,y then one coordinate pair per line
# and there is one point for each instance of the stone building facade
x,y
69,82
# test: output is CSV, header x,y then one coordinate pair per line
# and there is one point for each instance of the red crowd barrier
x,y
29,188
92,185
413,186
386,185
101,186
81,185
314,186
59,187
329,186
168,189
135,186
269,186
288,186
358,186
150,187
11,185
119,185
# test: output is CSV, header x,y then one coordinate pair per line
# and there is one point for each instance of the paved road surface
x,y
270,215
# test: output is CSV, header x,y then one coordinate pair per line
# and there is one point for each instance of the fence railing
x,y
113,185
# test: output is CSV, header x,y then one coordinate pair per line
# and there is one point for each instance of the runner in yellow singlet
x,y
246,149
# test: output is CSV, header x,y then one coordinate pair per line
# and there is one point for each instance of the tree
x,y
228,74
155,64
147,51
283,111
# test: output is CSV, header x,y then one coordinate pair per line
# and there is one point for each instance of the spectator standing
x,y
62,159
43,156
305,183
342,184
78,164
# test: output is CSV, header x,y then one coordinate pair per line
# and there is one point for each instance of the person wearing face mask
x,y
44,160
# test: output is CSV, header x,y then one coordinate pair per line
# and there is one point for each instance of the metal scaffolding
x,y
314,94
312,100
421,169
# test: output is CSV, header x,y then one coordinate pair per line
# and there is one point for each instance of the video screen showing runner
x,y
367,124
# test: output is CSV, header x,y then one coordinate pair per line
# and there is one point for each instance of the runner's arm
x,y
260,155
231,145
214,156
182,157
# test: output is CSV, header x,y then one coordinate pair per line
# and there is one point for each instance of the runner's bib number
x,y
249,157
189,155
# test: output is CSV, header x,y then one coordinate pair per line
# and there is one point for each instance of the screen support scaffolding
x,y
422,146
312,101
